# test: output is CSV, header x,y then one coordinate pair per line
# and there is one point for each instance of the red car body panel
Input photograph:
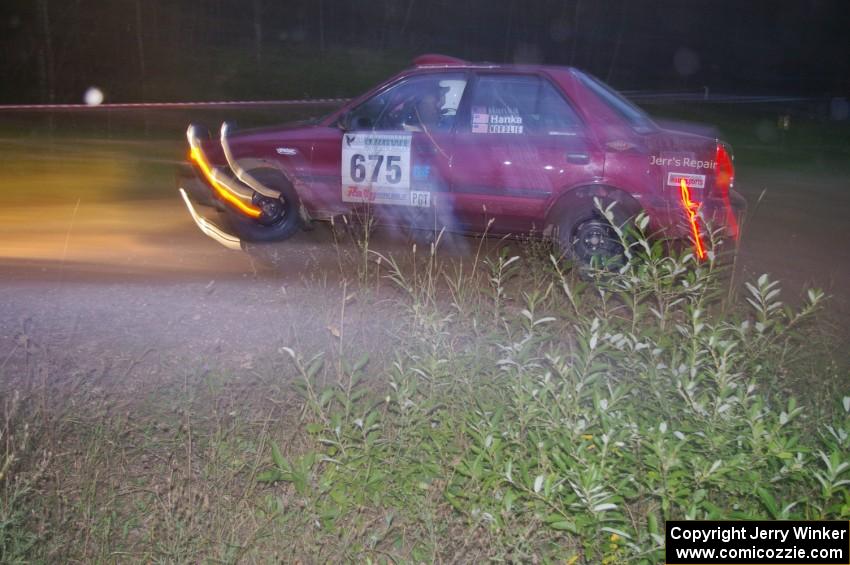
x,y
519,180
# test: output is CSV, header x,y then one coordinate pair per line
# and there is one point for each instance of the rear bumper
x,y
716,216
669,218
725,212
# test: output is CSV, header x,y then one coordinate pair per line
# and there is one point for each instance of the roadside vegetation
x,y
520,413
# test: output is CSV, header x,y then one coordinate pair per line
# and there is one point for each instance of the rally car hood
x,y
258,137
259,141
266,131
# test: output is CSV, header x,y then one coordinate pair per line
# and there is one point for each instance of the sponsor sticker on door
x,y
691,180
496,120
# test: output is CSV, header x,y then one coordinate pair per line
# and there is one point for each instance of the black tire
x,y
587,238
281,224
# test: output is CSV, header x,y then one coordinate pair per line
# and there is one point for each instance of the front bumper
x,y
190,179
231,188
207,226
235,187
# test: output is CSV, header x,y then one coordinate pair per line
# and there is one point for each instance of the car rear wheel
x,y
279,219
587,238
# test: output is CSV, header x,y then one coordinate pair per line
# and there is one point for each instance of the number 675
x,y
393,169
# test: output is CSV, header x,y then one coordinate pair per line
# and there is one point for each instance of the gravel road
x,y
134,281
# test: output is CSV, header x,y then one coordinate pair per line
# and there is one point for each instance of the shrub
x,y
558,416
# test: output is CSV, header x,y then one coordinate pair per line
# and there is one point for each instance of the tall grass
x,y
525,413
563,419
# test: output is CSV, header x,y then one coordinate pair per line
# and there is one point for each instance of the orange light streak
x,y
691,209
196,156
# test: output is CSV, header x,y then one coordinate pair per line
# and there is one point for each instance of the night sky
x,y
139,50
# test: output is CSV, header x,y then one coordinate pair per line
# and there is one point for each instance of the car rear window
x,y
520,104
636,117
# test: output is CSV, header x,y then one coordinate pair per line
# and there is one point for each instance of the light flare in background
x,y
691,209
247,209
93,96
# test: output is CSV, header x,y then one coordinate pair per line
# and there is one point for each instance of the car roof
x,y
435,60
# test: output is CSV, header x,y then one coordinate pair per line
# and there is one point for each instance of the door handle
x,y
578,158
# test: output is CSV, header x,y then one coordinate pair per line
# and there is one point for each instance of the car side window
x,y
426,102
520,104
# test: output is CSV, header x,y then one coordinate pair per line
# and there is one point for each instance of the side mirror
x,y
344,122
363,123
348,123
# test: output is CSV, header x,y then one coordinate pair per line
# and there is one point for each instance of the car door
x,y
520,142
394,150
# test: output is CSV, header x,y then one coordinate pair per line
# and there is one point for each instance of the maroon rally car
x,y
475,148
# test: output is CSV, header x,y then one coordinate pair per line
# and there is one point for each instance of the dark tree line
x,y
165,49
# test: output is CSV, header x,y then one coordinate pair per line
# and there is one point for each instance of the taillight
x,y
724,181
725,170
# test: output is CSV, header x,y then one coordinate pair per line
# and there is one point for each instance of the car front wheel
x,y
279,219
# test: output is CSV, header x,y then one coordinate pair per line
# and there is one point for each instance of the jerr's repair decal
x,y
376,168
692,181
682,162
496,120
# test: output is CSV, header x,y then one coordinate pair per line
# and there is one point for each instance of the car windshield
x,y
636,117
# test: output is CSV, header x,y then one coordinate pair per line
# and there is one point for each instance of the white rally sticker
x,y
420,198
692,181
376,168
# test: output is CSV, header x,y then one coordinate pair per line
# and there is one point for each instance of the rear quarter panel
x,y
624,152
673,156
